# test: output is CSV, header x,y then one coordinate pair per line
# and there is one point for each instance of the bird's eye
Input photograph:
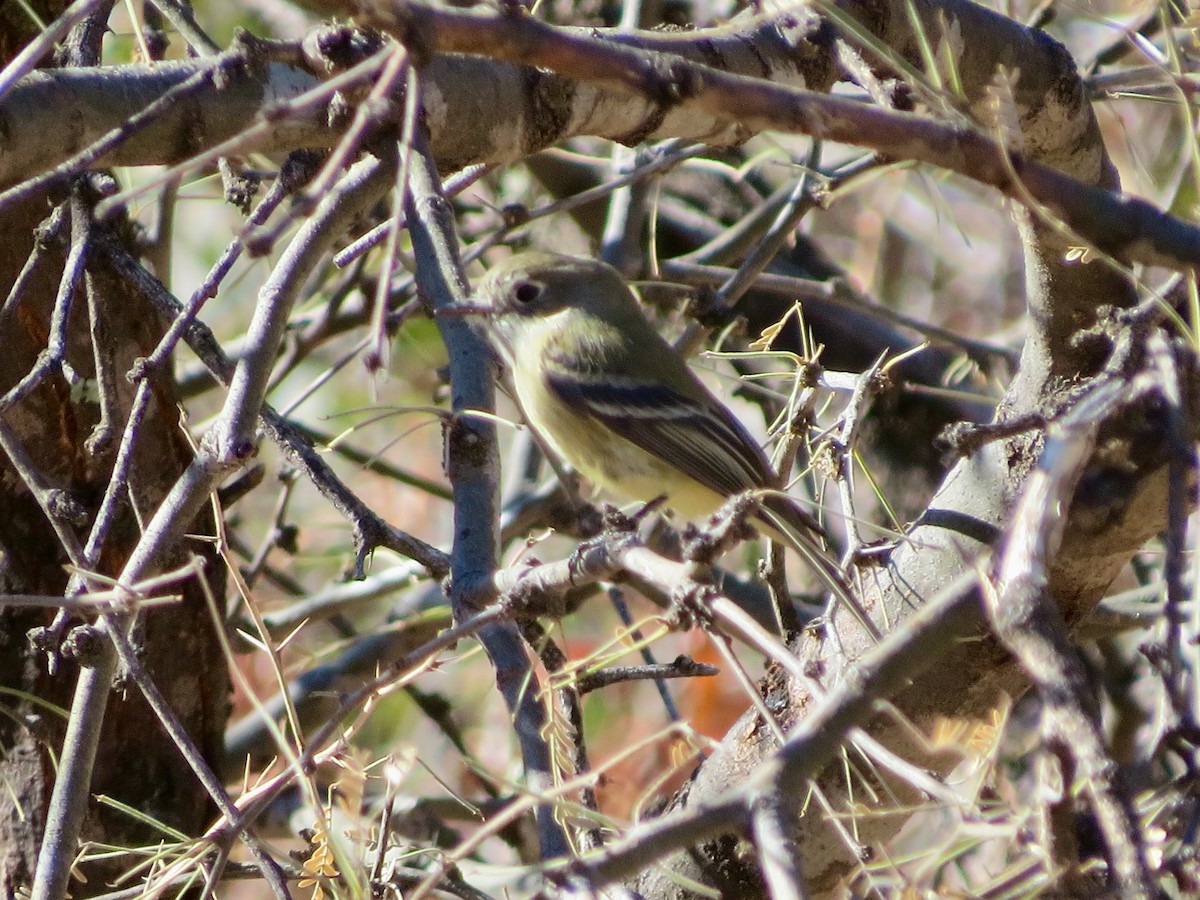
x,y
525,292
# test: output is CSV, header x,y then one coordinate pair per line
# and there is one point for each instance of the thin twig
x,y
773,827
51,359
473,467
31,54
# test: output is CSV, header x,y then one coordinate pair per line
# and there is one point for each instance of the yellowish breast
x,y
607,460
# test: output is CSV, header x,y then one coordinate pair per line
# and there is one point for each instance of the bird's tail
x,y
781,518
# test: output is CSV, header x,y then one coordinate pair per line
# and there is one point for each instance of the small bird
x,y
614,400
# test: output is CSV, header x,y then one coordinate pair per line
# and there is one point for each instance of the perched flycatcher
x,y
614,400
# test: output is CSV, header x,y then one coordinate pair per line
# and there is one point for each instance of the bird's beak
x,y
463,310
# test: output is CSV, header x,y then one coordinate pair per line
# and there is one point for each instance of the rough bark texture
x,y
137,765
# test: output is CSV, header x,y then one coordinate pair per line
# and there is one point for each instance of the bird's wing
x,y
702,440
